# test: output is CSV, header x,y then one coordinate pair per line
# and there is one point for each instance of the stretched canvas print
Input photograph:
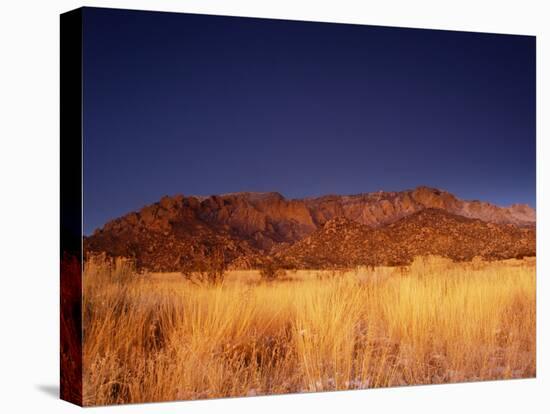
x,y
256,206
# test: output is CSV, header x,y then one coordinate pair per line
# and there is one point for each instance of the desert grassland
x,y
160,337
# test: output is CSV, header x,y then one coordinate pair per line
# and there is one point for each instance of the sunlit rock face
x,y
247,224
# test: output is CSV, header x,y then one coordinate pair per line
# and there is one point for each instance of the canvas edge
x,y
71,207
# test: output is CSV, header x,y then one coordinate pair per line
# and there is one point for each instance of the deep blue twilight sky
x,y
189,104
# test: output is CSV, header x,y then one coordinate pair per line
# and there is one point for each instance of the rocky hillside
x,y
247,226
345,243
375,209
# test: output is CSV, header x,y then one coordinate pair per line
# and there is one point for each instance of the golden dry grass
x,y
159,337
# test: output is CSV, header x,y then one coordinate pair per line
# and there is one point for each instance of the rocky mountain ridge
x,y
249,225
345,243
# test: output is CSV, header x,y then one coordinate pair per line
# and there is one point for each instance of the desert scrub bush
x,y
206,269
271,270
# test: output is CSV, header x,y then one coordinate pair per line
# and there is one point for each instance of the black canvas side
x,y
71,206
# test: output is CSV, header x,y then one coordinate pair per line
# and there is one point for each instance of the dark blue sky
x,y
190,104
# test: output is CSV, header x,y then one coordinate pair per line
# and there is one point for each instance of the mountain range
x,y
333,230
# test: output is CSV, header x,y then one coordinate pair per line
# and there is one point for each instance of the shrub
x,y
271,269
208,269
